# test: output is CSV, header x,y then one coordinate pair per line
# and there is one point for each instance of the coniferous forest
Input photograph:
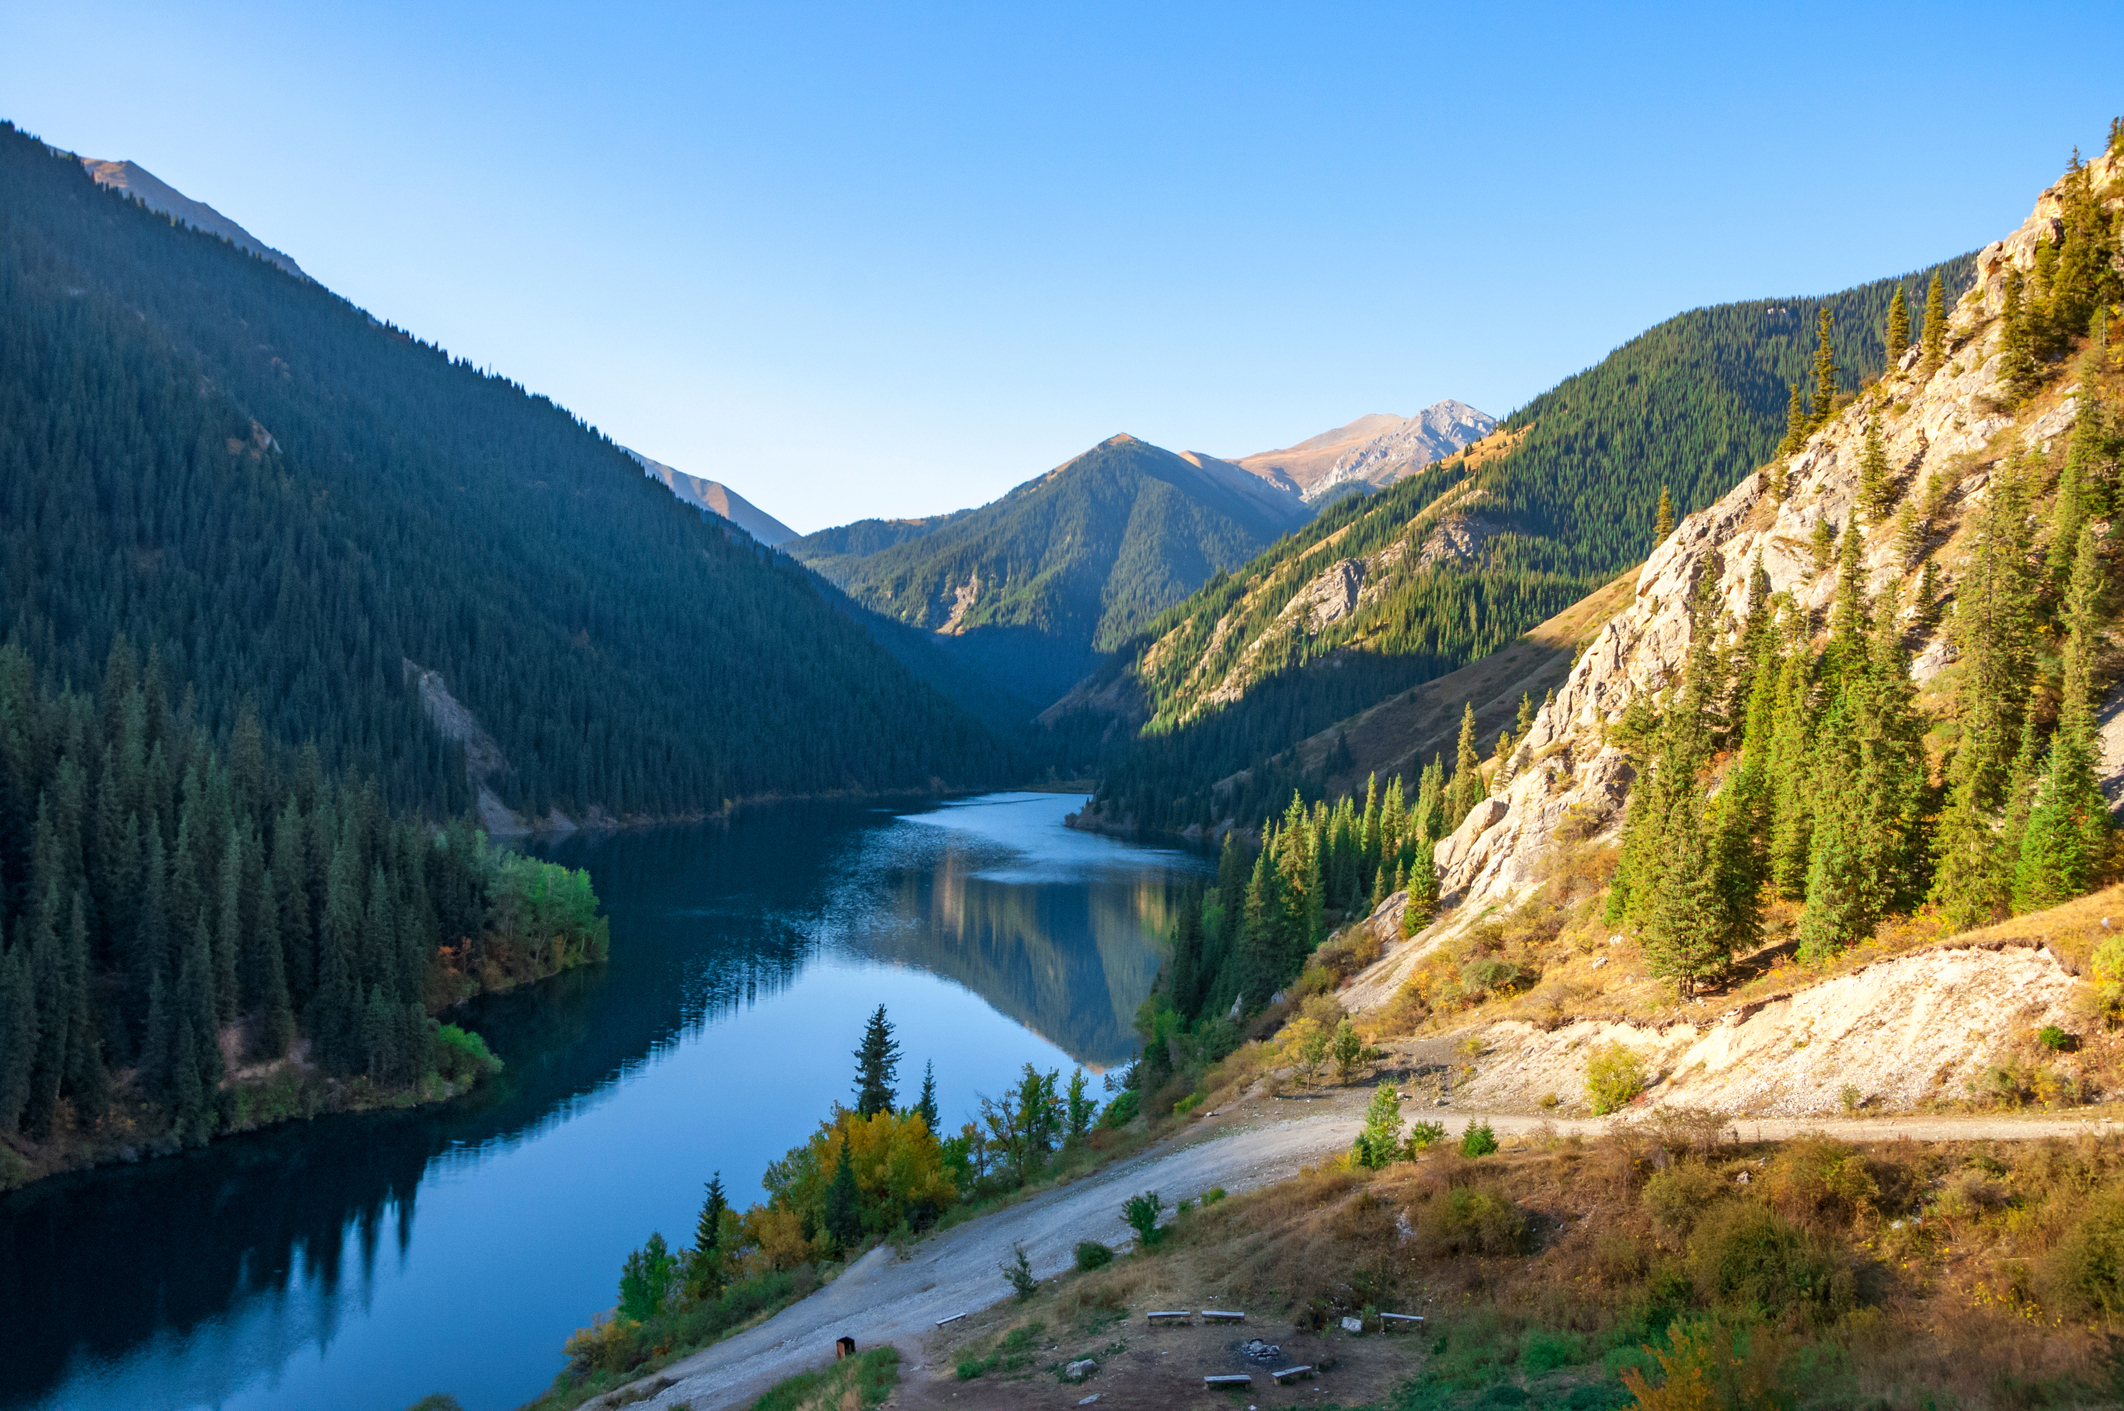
x,y
1568,500
176,914
287,500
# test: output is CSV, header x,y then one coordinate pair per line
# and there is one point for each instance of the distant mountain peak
x,y
1371,452
718,499
159,196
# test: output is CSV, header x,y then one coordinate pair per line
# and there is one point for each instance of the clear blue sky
x,y
894,259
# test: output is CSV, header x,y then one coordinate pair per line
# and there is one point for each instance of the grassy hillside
x,y
289,501
1457,562
1066,566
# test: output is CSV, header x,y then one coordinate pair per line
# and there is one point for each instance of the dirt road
x,y
886,1299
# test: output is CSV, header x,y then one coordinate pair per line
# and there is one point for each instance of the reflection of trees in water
x,y
255,1229
1070,961
205,1268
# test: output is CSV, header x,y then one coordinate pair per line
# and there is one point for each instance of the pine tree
x,y
877,1061
1824,372
1789,768
1187,974
1934,337
1663,521
705,1265
2082,493
1993,628
2068,829
1422,886
2017,359
843,1220
1876,489
926,1105
1466,790
1898,338
1797,425
18,1034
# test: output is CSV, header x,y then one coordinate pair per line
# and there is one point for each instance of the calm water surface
x,y
362,1262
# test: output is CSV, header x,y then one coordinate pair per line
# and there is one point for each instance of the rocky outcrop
x,y
1942,429
483,758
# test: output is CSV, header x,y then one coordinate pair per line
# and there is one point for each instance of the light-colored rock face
x,y
1431,435
1901,1032
1944,425
1371,451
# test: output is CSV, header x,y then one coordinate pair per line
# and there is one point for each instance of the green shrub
x,y
1425,1135
460,1055
1545,1350
1093,1255
1122,1110
1212,1196
2057,1040
1614,1077
1749,1258
1677,1197
1141,1214
1478,1140
1018,1270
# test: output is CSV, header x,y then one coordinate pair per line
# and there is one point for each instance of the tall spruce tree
x,y
926,1105
1663,520
2067,835
2018,370
1993,629
1934,337
1876,489
1797,425
1466,789
1824,370
1898,332
877,1061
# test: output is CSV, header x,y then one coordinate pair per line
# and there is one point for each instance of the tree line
x,y
167,906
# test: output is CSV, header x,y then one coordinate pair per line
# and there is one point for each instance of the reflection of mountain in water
x,y
1069,960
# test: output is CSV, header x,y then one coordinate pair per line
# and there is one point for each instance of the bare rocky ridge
x,y
137,181
1947,428
1371,452
718,499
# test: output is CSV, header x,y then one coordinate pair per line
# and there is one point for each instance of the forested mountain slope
x,y
289,501
1065,566
1888,653
1382,593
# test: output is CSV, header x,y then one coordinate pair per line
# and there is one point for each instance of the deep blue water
x,y
364,1261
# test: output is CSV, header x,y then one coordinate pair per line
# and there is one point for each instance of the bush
x,y
1614,1078
1122,1110
1751,1259
1817,1177
1478,1140
2085,1272
2056,1039
460,1055
1677,1197
1093,1255
1425,1135
1018,1270
1470,1220
1141,1213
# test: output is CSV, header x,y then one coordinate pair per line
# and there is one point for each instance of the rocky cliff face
x,y
1947,428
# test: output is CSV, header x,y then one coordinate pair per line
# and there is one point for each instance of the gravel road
x,y
883,1298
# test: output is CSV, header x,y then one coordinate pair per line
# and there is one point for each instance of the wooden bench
x,y
1406,1320
1180,1316
1292,1374
1229,1380
1220,1315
